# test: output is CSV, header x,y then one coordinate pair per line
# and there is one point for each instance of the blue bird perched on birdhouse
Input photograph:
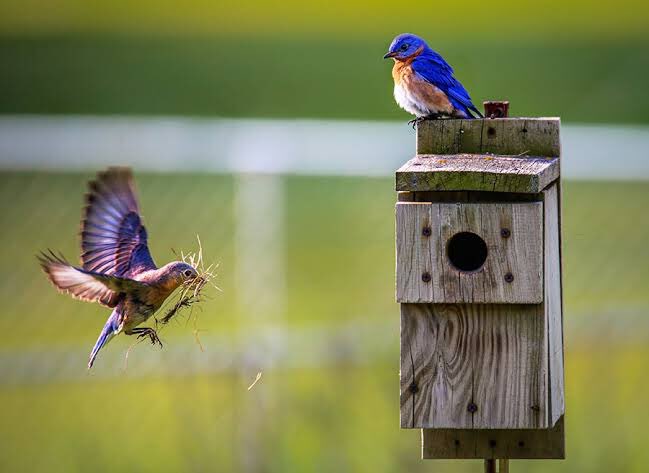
x,y
423,81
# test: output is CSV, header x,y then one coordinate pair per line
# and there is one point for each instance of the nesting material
x,y
191,292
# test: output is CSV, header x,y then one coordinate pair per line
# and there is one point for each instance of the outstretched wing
x,y
113,239
435,70
86,285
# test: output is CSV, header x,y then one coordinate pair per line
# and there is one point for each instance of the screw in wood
x,y
492,443
509,277
427,231
521,444
491,131
472,408
413,388
426,277
505,233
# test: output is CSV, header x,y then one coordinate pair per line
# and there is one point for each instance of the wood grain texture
x,y
512,136
473,366
413,251
553,303
473,172
495,443
519,255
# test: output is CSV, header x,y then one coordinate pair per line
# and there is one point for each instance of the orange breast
x,y
424,93
401,72
431,96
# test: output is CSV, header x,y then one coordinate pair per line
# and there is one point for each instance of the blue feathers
x,y
413,56
432,67
108,332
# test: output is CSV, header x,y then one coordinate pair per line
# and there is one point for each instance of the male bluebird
x,y
116,270
423,81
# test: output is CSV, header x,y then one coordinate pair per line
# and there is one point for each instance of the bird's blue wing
x,y
434,69
113,239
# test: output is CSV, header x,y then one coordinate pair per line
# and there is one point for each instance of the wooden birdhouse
x,y
479,283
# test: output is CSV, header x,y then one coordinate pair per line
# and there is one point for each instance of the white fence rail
x,y
275,146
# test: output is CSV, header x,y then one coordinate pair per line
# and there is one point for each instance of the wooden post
x,y
479,282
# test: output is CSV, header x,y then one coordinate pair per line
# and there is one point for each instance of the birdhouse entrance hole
x,y
467,251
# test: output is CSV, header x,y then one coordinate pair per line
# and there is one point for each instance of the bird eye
x,y
404,46
187,273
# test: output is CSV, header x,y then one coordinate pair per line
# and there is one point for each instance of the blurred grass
x,y
339,266
588,79
471,18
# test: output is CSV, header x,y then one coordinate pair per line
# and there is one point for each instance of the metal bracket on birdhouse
x,y
496,108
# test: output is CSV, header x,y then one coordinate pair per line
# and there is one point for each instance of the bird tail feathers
x,y
111,328
472,109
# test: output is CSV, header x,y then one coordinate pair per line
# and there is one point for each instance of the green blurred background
x,y
308,285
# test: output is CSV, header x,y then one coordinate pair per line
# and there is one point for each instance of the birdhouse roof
x,y
477,172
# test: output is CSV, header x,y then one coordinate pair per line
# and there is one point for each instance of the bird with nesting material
x,y
117,270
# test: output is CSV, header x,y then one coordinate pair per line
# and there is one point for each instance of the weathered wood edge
x,y
513,136
553,303
490,173
494,443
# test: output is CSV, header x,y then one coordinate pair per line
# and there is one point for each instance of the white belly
x,y
408,101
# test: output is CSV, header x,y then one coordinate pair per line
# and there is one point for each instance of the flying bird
x,y
117,270
424,84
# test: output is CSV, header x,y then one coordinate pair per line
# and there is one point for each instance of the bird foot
x,y
432,116
144,332
416,121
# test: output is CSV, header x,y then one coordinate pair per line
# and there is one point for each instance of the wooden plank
x,y
495,443
553,304
473,366
474,172
436,368
518,255
513,136
413,252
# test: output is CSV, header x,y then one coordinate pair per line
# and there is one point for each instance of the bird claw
x,y
153,336
433,116
416,121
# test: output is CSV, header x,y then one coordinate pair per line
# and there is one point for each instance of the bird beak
x,y
389,55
